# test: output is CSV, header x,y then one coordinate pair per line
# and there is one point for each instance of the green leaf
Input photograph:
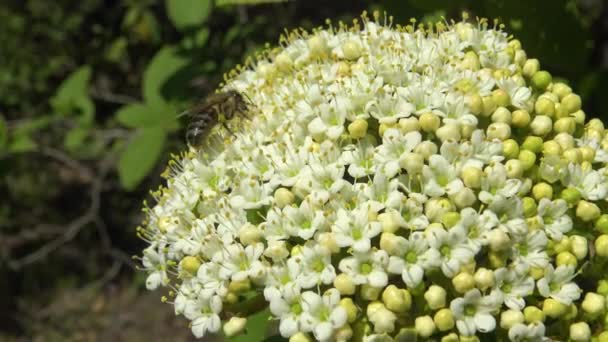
x,y
256,327
186,14
73,94
3,133
140,156
21,143
245,2
75,137
163,66
139,115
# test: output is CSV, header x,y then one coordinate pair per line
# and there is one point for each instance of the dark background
x,y
89,90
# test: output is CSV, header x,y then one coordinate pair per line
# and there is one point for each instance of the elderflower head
x,y
390,182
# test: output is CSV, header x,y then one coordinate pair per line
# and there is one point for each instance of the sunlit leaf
x,y
139,115
72,95
140,156
187,14
163,66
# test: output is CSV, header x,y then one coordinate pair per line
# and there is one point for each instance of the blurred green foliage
x,y
89,96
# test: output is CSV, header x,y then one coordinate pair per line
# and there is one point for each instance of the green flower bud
x,y
351,309
470,61
580,246
572,103
601,224
603,337
510,149
450,218
553,308
471,176
529,206
463,282
562,245
541,79
501,97
532,143
514,168
429,122
566,258
425,326
497,260
594,304
573,155
520,118
579,117
463,338
498,130
542,190
407,335
369,292
532,314
601,245
561,89
572,196
565,125
580,332
351,49
551,148
531,67
358,128
560,112
451,337
520,57
444,319
602,287
475,103
489,106
345,284
527,159
435,297
587,211
501,114
541,125
544,106
396,300
239,286
190,264
509,318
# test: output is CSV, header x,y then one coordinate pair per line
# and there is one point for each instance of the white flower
x,y
367,268
411,257
591,183
394,149
330,120
322,315
360,159
352,229
473,312
533,332
495,184
513,285
452,247
239,263
303,221
412,215
382,192
529,250
477,227
213,284
204,314
554,218
440,177
557,284
315,261
287,306
390,108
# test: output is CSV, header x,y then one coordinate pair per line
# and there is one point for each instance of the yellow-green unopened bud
x,y
389,221
464,338
529,206
463,282
450,131
532,314
470,61
580,246
514,168
502,114
579,117
358,128
382,318
560,112
571,195
351,309
484,278
509,318
565,140
369,292
561,89
541,79
601,224
317,46
475,103
551,148
587,211
250,234
544,106
450,219
594,304
501,97
489,106
520,118
498,240
300,337
565,125
542,190
553,308
580,332
239,286
572,103
601,245
429,122
283,197
435,297
527,159
351,49
541,125
410,124
396,300
345,284
566,259
283,62
532,143
510,148
444,320
343,334
190,264
425,326
573,155
498,130
531,67
471,176
451,337
234,326
602,287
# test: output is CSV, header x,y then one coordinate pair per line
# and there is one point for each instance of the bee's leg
x,y
225,124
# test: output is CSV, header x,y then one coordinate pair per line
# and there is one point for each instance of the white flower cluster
x,y
392,182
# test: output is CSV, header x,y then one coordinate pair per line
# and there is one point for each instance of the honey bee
x,y
217,108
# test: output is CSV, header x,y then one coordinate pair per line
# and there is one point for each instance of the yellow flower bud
x,y
389,243
529,206
541,79
509,318
426,149
484,278
579,246
565,125
448,132
382,318
520,118
514,168
594,304
532,314
358,128
499,240
565,140
551,148
475,103
544,106
351,49
571,195
283,197
470,61
429,122
587,153
343,334
573,155
412,163
435,297
190,264
501,114
601,224
579,117
389,221
283,62
561,89
601,245
489,106
580,332
234,326
572,103
369,292
541,125
533,143
410,124
553,308
425,326
603,337
566,258
562,245
351,309
345,284
542,190
250,234
531,67
444,319
451,337
317,46
587,211
300,337
510,149
501,97
498,130
463,282
396,300
239,286
527,159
